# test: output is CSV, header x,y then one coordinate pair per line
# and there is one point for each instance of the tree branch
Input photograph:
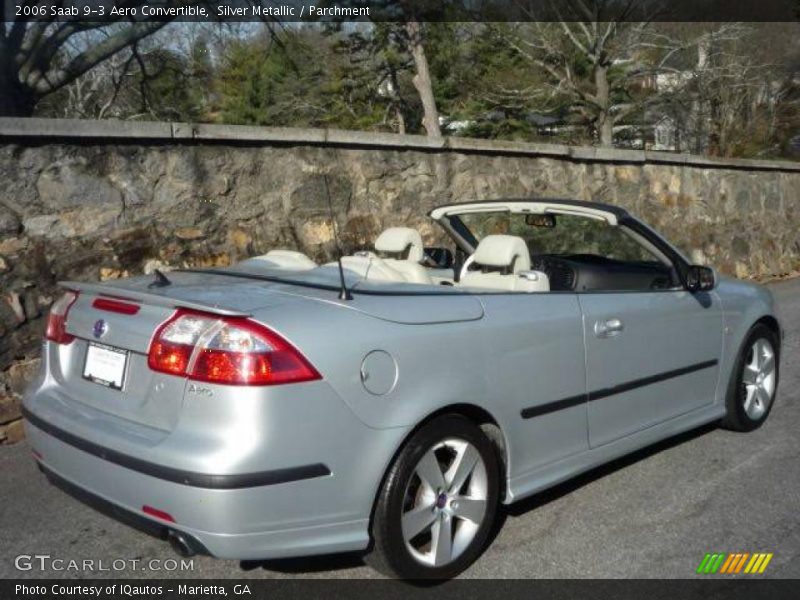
x,y
95,55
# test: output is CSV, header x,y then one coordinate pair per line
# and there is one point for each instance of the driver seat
x,y
401,249
503,263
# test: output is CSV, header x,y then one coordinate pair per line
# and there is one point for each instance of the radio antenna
x,y
344,293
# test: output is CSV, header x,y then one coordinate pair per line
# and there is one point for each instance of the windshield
x,y
560,235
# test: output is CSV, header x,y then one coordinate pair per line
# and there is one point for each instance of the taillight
x,y
57,319
115,305
228,350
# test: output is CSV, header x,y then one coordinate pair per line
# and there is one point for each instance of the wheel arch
x,y
772,323
480,417
733,418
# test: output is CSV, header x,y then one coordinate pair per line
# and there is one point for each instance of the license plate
x,y
105,365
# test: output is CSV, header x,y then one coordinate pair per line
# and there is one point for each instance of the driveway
x,y
654,514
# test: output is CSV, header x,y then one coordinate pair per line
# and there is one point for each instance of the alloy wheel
x,y
445,502
758,379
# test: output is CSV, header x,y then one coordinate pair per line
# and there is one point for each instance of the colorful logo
x,y
734,563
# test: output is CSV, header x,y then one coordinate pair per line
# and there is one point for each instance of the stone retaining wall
x,y
99,199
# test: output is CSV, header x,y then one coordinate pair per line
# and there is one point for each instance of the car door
x,y
535,374
650,356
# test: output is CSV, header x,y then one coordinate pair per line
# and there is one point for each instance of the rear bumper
x,y
190,478
220,522
248,472
145,525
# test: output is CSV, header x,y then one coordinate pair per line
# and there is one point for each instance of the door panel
x,y
535,360
649,356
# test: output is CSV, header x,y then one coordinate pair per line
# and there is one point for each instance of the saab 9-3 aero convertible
x,y
280,408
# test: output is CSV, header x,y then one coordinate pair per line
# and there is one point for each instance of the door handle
x,y
608,328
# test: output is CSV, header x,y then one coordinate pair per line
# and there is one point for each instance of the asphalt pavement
x,y
653,514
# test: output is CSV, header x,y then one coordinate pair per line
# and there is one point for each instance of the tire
x,y
447,505
753,385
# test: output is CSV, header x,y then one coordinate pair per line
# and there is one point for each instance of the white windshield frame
x,y
524,207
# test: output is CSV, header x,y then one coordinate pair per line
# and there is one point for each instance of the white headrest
x,y
503,251
397,239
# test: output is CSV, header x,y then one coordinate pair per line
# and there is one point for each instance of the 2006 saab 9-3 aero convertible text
x,y
282,408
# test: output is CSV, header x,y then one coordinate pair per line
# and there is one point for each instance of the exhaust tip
x,y
180,544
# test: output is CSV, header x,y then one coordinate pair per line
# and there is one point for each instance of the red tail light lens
x,y
169,358
114,305
57,319
175,341
228,350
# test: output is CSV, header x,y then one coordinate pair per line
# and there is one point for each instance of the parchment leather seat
x,y
503,262
401,249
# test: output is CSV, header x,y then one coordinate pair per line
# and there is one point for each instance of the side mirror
x,y
700,279
439,258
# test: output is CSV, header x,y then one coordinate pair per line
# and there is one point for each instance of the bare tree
x,y
589,59
422,79
96,94
35,60
724,92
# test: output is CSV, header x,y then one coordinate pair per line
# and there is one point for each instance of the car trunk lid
x,y
110,341
122,338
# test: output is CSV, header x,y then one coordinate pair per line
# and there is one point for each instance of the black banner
x,y
400,10
699,589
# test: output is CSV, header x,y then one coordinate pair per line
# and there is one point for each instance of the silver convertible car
x,y
389,402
